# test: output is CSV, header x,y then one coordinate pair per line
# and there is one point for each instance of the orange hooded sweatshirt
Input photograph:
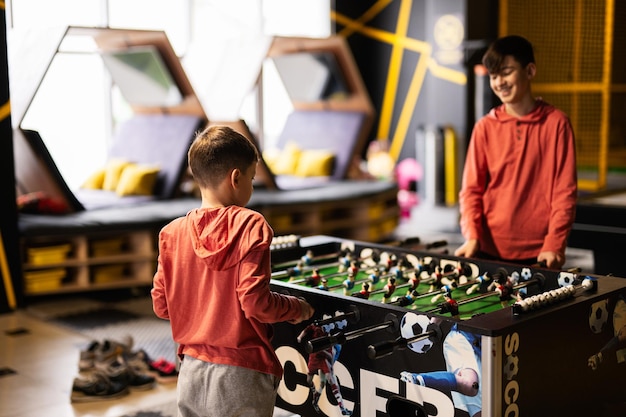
x,y
212,284
518,195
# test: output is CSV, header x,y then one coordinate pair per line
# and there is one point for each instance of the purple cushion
x,y
336,131
157,139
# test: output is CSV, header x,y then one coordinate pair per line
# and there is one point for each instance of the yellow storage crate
x,y
103,274
48,254
44,280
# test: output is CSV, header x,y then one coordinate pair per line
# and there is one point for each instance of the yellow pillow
x,y
271,156
315,162
112,172
286,163
137,180
95,181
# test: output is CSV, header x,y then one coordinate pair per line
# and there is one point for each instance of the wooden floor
x,y
38,363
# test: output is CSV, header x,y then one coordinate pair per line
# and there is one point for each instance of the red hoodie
x,y
518,196
212,283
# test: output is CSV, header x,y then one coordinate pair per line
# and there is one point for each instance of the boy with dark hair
x,y
212,284
519,187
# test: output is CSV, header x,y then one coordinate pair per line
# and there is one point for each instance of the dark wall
x,y
440,101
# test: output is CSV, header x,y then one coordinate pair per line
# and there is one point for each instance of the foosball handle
x,y
540,279
353,315
325,342
381,349
436,244
378,350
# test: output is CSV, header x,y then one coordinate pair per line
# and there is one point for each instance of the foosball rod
x,y
406,284
310,267
354,315
314,259
416,296
441,291
553,296
378,350
537,279
325,342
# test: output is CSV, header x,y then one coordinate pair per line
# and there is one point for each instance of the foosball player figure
x,y
364,293
344,261
390,288
443,276
397,272
503,285
481,285
414,282
436,279
314,279
392,260
445,290
295,271
449,305
408,299
420,267
353,269
307,258
348,284
374,276
321,363
323,284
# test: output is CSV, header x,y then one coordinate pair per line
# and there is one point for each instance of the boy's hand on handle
x,y
468,249
306,312
552,260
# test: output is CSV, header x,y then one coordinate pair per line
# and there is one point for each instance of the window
x,y
77,105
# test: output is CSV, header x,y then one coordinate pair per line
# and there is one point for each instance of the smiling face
x,y
512,82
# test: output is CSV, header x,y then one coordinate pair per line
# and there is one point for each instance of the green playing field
x,y
464,290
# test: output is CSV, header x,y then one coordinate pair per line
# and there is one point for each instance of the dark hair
x,y
216,151
516,46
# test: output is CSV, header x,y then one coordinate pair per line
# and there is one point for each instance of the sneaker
x,y
119,371
111,349
96,386
163,370
88,356
105,351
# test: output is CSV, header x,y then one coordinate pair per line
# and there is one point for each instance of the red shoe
x,y
164,371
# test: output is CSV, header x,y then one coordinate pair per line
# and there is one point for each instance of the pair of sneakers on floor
x,y
111,369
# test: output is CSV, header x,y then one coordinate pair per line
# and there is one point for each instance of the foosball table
x,y
404,332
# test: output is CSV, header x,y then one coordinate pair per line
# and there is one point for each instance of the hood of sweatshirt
x,y
223,236
539,113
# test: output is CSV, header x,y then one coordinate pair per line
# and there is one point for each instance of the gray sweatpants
x,y
213,390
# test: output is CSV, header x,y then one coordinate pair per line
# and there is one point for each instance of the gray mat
x,y
115,319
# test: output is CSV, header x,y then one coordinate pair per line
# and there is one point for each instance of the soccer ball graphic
x,y
565,279
412,325
511,367
599,316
